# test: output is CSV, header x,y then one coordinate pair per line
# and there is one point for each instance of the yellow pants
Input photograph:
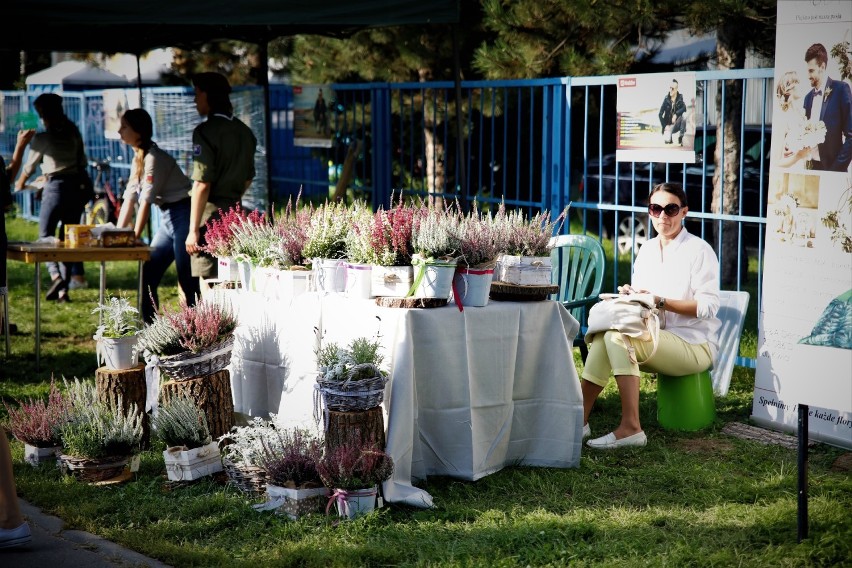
x,y
674,356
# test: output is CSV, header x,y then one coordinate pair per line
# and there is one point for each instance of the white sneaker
x,y
609,442
15,537
587,431
77,284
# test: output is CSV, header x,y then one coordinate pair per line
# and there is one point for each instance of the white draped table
x,y
470,392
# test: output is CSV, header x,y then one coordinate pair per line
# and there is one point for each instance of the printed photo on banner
x,y
812,113
312,115
116,101
806,309
656,118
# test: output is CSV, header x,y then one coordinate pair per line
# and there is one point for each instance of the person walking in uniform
x,y
60,152
156,178
223,149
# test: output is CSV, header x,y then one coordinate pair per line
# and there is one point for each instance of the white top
x,y
687,269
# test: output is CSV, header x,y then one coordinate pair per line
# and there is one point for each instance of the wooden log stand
x,y
364,425
130,386
212,394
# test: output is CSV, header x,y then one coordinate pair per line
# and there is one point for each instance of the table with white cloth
x,y
470,391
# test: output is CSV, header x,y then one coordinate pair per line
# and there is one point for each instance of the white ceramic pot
x,y
354,503
329,274
117,352
472,286
227,269
359,282
433,279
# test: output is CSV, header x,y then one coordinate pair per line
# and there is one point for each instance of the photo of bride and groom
x,y
815,118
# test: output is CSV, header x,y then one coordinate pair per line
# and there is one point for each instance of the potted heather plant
x,y
190,451
353,471
36,423
326,245
435,239
98,439
218,233
359,252
479,250
391,250
292,227
242,449
116,336
289,458
191,341
526,246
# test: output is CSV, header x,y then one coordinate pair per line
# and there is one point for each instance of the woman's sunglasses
x,y
671,209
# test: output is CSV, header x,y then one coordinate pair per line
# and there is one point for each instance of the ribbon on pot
x,y
339,495
152,384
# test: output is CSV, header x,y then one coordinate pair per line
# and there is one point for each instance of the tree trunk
x,y
129,386
730,54
365,425
212,394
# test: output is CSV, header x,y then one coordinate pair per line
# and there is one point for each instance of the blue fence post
x,y
380,132
555,148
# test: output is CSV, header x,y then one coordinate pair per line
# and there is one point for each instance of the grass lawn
x,y
687,499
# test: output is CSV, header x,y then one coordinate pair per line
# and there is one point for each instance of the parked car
x,y
603,175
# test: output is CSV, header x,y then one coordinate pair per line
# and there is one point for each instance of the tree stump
x,y
364,425
212,394
130,386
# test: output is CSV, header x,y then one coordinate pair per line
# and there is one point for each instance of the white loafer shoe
x,y
587,431
609,442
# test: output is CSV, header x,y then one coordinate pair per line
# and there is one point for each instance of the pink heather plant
x,y
219,231
36,422
478,244
352,465
518,235
187,328
292,226
390,235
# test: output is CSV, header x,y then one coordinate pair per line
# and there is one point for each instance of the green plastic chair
x,y
578,270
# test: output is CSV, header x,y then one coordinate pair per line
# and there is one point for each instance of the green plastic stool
x,y
685,403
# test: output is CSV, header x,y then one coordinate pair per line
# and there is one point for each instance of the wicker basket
x,y
188,365
350,395
249,479
93,470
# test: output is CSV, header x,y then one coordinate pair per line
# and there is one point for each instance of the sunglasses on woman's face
x,y
671,209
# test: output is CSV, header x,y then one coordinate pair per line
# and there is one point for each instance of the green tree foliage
x,y
555,38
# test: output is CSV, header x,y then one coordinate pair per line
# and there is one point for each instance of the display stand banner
x,y
805,339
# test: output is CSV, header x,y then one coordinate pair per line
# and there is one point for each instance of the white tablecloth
x,y
470,392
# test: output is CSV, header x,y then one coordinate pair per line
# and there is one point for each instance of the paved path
x,y
54,547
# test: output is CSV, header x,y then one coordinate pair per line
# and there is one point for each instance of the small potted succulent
x,y
190,451
98,439
351,378
36,423
293,484
353,471
116,336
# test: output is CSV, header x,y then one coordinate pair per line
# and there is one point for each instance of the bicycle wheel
x,y
99,213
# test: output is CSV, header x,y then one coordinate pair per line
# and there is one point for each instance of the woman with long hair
x,y
156,178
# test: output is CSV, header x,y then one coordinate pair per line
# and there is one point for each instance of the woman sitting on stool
x,y
682,271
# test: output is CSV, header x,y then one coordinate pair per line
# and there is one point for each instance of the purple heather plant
x,y
353,465
289,457
36,422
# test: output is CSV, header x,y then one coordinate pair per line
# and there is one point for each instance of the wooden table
x,y
36,253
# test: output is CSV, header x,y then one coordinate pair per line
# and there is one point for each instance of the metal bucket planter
x,y
118,352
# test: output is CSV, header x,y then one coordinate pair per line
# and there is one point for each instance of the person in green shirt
x,y
223,149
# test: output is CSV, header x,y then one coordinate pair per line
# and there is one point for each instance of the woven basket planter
x,y
92,470
249,479
350,395
188,365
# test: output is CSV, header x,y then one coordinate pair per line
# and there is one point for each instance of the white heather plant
x,y
358,240
437,235
179,422
327,231
247,445
119,318
259,243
